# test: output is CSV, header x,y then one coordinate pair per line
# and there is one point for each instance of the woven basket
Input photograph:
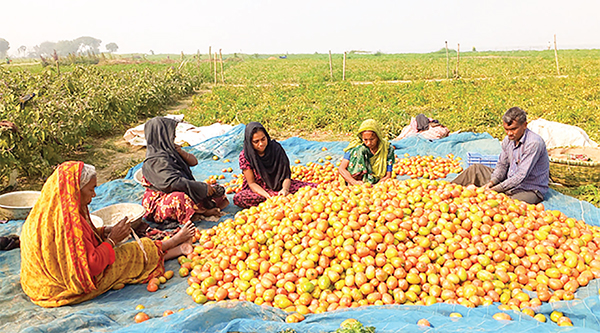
x,y
574,173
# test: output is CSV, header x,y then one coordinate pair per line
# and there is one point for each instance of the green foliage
x,y
429,66
466,105
298,93
356,327
88,101
589,193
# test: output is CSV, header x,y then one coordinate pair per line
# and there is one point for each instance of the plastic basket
x,y
112,214
487,160
17,205
137,176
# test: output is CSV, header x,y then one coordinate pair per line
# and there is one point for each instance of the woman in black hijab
x,y
172,193
266,169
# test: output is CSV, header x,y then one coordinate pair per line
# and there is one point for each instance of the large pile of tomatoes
x,y
397,242
325,173
427,166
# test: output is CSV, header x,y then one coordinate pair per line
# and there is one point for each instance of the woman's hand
x,y
190,159
120,231
285,187
210,190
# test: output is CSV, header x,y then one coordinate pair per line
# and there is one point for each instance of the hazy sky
x,y
304,26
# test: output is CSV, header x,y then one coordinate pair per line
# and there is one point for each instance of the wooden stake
x,y
330,66
209,59
215,59
344,68
447,62
556,56
221,60
457,60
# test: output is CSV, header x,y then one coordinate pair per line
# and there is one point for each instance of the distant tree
x,y
45,49
4,46
87,43
22,51
112,47
151,52
474,49
66,47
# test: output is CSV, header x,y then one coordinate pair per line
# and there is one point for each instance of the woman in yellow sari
x,y
369,157
66,260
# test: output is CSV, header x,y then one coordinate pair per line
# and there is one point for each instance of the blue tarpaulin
x,y
115,310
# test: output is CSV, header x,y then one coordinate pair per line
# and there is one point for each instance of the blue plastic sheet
x,y
115,310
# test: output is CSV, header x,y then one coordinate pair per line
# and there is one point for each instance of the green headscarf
x,y
379,159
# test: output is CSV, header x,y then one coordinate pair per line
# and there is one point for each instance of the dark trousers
x,y
479,175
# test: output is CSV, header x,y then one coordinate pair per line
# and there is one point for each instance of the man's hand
x,y
284,192
488,186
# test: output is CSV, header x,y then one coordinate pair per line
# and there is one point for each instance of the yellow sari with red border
x,y
54,264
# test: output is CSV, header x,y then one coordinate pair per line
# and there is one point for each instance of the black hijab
x,y
422,122
274,166
163,167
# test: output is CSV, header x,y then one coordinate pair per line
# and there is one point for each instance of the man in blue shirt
x,y
523,168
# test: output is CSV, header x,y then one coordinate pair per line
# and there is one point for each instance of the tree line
x,y
82,44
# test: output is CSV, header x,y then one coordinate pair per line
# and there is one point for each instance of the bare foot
x,y
212,212
183,249
184,234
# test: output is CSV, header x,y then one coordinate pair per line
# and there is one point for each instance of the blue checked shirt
x,y
523,166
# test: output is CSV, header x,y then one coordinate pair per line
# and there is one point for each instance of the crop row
x,y
466,105
315,68
72,106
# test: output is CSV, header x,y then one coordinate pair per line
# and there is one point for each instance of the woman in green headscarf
x,y
369,157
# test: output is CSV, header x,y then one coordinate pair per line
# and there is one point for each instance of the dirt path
x,y
113,156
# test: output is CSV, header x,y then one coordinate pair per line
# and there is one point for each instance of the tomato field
x,y
80,103
298,93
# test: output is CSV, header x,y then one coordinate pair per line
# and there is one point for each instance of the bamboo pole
x,y
447,62
457,59
222,73
215,60
556,56
344,68
330,66
209,59
198,64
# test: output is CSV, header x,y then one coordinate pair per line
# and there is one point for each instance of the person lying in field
x,y
426,127
523,169
65,259
172,193
266,169
369,157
